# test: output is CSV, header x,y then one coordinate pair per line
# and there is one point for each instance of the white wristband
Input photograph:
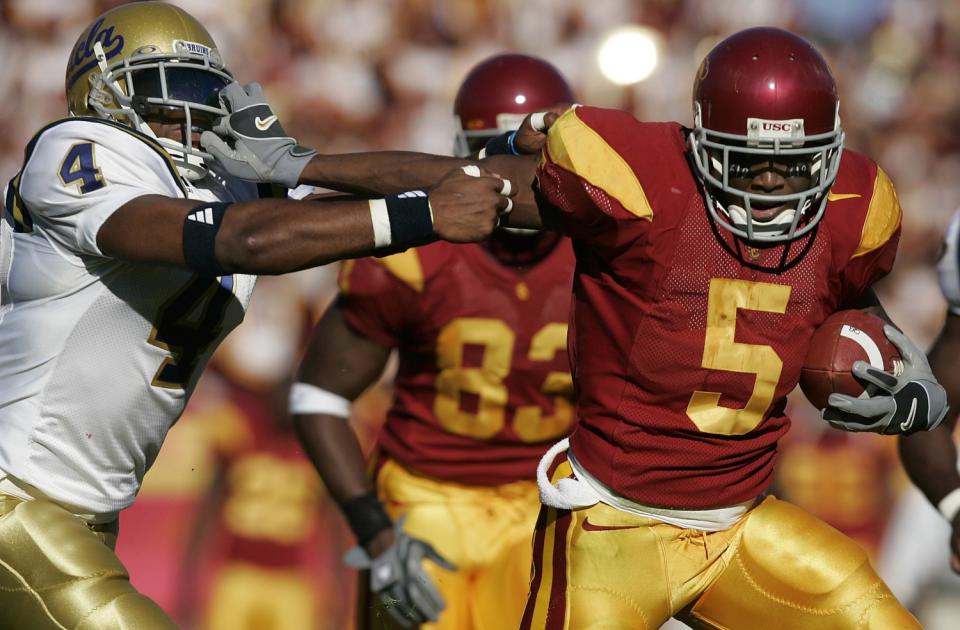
x,y
949,505
307,398
381,222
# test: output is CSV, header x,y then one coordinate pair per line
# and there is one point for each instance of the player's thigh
x,y
597,569
795,571
500,586
429,515
430,508
55,572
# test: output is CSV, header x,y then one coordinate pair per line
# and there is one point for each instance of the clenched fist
x,y
468,202
532,134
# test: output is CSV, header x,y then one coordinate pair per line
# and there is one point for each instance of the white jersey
x,y
98,356
948,267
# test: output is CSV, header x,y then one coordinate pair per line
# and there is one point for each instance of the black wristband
x,y
366,517
200,228
500,145
411,220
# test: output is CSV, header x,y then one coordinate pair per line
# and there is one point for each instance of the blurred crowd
x,y
351,75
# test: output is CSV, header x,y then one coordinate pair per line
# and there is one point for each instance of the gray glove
x,y
405,590
262,151
908,401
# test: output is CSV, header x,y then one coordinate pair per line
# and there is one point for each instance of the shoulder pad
x,y
883,215
575,144
405,267
104,133
864,205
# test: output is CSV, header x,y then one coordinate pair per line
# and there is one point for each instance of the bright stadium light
x,y
628,55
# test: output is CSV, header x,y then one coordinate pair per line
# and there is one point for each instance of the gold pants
x,y
778,567
250,597
484,530
56,571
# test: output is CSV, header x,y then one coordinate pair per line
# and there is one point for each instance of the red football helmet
x,y
499,92
764,92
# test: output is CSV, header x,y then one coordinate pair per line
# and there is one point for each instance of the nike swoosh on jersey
x,y
832,196
590,527
264,123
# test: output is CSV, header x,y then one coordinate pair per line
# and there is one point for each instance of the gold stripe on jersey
x,y
405,267
22,222
883,216
576,147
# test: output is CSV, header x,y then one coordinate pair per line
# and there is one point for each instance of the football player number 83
x,y
531,423
721,352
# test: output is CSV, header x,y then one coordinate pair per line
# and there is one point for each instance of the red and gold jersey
x,y
272,495
483,383
685,341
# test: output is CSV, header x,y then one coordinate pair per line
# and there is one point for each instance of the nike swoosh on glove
x,y
397,576
907,402
261,150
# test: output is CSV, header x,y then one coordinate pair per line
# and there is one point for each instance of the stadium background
x,y
229,503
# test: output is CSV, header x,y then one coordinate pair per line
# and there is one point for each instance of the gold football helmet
x,y
150,62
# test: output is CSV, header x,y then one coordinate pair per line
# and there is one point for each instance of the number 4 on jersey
x,y
80,169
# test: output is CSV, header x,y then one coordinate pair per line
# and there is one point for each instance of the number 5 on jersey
x,y
722,352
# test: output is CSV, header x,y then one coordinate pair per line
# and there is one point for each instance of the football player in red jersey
x,y
706,257
483,385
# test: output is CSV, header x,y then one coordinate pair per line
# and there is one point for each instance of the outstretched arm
x,y
269,155
274,236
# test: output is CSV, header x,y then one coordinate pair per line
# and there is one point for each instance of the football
x,y
844,338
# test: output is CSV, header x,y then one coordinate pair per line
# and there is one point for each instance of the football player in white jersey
x,y
126,255
930,457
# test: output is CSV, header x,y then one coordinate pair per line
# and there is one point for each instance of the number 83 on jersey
x,y
531,423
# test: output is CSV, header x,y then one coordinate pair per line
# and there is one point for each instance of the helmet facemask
x,y
181,89
717,156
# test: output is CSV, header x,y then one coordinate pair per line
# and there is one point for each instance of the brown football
x,y
842,339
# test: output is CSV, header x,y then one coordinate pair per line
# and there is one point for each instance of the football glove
x,y
262,151
405,590
907,402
